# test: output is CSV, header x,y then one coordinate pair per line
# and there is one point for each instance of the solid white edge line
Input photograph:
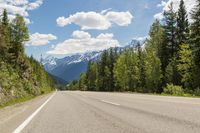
x,y
28,120
110,102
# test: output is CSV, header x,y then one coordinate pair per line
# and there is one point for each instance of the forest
x,y
21,77
168,64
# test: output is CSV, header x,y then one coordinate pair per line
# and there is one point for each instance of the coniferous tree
x,y
102,78
112,60
141,66
182,25
195,40
170,32
91,76
82,82
5,34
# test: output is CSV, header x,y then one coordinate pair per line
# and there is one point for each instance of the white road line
x,y
28,120
110,102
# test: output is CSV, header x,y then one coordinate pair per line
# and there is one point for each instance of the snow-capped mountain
x,y
135,42
69,67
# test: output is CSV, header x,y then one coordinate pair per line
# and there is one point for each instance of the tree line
x,y
20,75
168,63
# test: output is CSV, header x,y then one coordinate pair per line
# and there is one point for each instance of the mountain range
x,y
70,67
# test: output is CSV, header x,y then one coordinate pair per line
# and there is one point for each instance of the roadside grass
x,y
22,100
162,94
17,101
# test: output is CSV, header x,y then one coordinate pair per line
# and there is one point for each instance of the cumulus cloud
x,y
20,7
190,4
141,38
82,42
34,5
81,35
94,20
162,4
38,39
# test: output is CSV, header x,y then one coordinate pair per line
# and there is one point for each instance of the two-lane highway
x,y
98,112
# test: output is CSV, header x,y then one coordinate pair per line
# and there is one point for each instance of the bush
x,y
197,92
173,90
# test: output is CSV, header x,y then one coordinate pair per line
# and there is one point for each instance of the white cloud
x,y
143,38
34,5
162,4
20,7
190,4
79,44
81,34
18,2
38,39
94,20
120,18
159,16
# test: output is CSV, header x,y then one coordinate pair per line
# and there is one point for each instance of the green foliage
x,y
185,65
20,76
126,71
19,34
4,35
169,63
195,41
82,82
74,85
182,25
173,90
91,77
170,30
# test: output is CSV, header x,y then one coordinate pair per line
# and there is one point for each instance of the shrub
x,y
197,92
173,90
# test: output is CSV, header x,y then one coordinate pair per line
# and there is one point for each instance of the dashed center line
x,y
110,102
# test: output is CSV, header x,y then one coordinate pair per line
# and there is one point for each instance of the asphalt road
x,y
95,112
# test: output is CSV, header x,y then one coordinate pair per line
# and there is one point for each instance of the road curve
x,y
99,112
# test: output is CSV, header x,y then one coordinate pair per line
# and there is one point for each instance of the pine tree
x,y
102,82
90,77
182,25
82,82
112,60
170,30
5,34
195,40
141,66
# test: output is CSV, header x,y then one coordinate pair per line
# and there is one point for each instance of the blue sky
x,y
53,35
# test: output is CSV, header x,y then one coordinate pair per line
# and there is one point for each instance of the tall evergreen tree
x,y
141,66
112,61
91,76
170,30
102,66
5,34
195,40
182,25
171,41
